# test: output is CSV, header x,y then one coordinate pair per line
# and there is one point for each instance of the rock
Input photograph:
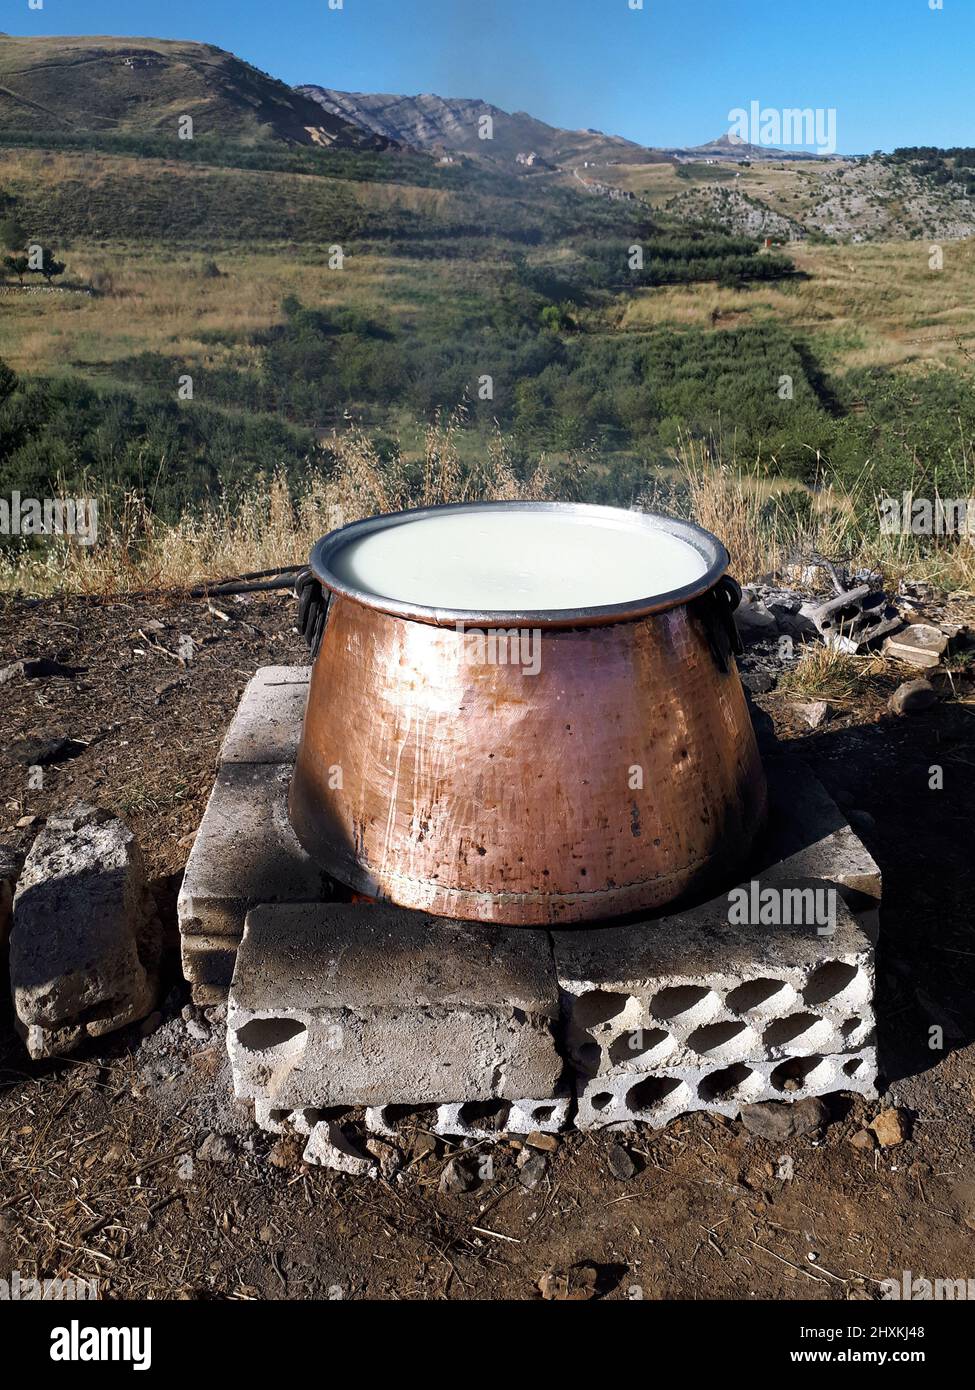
x,y
548,1143
77,815
574,1285
863,1139
532,1166
758,682
38,669
620,1163
216,1148
814,713
776,1120
386,1155
198,1030
753,619
921,644
151,1024
286,1152
458,1176
890,1128
44,751
912,697
329,1147
85,942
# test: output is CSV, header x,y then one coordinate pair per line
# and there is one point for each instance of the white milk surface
x,y
505,561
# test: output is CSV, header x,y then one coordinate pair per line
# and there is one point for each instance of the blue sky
x,y
896,71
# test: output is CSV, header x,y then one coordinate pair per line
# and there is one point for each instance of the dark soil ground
x,y
98,1174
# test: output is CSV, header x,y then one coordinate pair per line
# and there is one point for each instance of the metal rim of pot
x,y
707,546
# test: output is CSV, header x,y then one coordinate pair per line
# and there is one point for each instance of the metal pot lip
x,y
710,549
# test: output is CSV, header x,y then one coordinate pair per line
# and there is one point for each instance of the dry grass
x,y
272,524
874,305
823,673
752,514
275,524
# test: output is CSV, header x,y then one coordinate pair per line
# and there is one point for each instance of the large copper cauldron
x,y
622,775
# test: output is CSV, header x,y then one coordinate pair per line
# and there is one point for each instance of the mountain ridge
x,y
144,85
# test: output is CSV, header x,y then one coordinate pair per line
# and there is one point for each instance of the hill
x,y
73,85
436,123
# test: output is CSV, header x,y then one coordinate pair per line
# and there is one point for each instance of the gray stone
x,y
352,1004
620,1163
329,1147
216,1148
267,725
85,943
753,619
921,644
912,697
457,1177
815,712
532,1168
758,682
778,1121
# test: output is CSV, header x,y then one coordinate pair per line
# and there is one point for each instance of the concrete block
x,y
267,725
208,963
711,1014
486,1120
85,942
656,1097
809,837
245,852
351,1004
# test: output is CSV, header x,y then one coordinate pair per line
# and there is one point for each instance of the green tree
x,y
13,235
49,265
8,382
17,265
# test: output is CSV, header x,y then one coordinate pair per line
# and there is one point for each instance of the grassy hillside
x,y
147,85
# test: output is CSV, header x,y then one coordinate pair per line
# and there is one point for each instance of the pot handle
x,y
312,609
728,594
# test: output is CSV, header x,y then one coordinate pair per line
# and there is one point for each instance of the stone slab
x,y
357,1004
245,853
267,725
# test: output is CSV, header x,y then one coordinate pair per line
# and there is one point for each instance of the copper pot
x,y
623,775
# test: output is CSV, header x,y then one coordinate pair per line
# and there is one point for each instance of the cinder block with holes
x,y
697,1013
356,1004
